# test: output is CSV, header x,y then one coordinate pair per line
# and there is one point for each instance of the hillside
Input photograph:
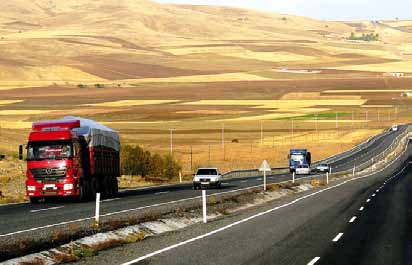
x,y
67,42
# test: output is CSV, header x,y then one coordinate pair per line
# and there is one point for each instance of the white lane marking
x,y
373,195
14,203
243,181
336,239
161,192
361,208
110,200
183,200
377,190
271,177
46,209
313,261
352,219
259,179
155,253
368,200
225,183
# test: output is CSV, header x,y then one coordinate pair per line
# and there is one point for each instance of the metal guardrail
x,y
245,173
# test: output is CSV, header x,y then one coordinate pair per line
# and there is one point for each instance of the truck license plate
x,y
49,187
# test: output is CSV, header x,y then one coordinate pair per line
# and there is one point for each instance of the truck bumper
x,y
35,189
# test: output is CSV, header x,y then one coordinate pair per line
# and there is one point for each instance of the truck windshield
x,y
49,150
206,171
297,158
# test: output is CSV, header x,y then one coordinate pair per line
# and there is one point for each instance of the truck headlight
x,y
68,187
31,188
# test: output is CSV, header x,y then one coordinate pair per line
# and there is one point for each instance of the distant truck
x,y
207,177
298,157
71,157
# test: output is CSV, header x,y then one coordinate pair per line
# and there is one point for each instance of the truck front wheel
x,y
35,200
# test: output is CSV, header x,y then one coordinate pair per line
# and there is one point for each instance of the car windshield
x,y
206,171
49,150
323,165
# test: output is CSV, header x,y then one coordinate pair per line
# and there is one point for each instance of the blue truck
x,y
298,157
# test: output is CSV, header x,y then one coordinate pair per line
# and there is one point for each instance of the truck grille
x,y
204,180
48,174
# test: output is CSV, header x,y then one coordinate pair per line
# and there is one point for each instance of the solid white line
x,y
312,262
361,208
178,201
14,203
51,208
245,220
259,179
161,192
243,181
336,239
225,183
368,200
352,219
110,200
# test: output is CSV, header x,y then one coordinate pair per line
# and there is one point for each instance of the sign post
x,y
265,168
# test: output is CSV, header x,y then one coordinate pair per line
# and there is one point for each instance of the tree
x,y
171,167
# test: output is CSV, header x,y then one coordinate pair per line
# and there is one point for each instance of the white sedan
x,y
303,170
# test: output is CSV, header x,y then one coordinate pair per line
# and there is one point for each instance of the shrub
x,y
138,162
171,167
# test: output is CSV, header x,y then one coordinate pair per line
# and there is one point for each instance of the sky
x,y
322,9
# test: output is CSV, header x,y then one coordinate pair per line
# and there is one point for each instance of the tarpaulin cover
x,y
96,134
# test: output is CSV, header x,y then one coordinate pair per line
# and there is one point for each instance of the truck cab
x,y
207,177
298,157
65,159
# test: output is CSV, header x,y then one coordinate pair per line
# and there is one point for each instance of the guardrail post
x,y
97,214
264,180
204,206
180,176
327,178
293,177
354,168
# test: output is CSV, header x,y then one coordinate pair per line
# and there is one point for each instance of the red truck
x,y
71,157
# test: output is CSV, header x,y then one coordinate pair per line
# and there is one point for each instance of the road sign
x,y
265,166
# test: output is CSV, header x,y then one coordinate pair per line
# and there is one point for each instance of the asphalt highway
x,y
24,218
366,220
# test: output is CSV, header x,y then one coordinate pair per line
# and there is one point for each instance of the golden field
x,y
145,68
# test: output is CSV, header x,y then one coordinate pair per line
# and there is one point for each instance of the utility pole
x,y
171,141
209,154
366,120
353,117
261,133
316,123
337,126
223,141
191,158
379,115
292,130
396,113
223,135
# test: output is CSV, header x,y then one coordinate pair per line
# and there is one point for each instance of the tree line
x,y
138,162
364,37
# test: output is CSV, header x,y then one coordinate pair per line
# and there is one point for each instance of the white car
x,y
302,170
322,168
394,128
207,177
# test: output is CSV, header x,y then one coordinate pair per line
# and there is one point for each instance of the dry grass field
x,y
145,68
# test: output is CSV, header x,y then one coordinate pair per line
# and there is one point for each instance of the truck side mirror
x,y
20,152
